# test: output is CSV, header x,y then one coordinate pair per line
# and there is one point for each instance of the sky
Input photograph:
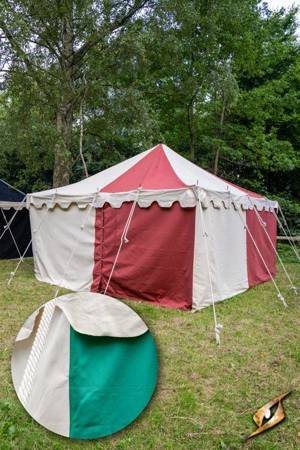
x,y
275,4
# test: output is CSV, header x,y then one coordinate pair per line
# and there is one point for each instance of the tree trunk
x,y
191,130
64,114
64,120
216,160
217,151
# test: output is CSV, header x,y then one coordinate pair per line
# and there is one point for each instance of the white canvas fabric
x,y
93,314
193,175
100,315
14,205
226,254
88,313
52,411
64,251
165,198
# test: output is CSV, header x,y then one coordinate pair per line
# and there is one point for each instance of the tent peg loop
x,y
281,298
294,289
218,329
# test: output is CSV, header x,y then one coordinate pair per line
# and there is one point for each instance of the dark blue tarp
x,y
20,225
10,194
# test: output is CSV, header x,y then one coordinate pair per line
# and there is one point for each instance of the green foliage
x,y
217,81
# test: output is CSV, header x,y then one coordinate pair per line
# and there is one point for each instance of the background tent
x,y
14,240
155,227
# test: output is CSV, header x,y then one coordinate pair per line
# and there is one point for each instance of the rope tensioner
x,y
281,298
218,329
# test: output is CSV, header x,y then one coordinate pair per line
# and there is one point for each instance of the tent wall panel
x,y
257,272
11,205
157,263
56,233
226,254
20,229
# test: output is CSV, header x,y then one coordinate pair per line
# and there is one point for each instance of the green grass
x,y
206,396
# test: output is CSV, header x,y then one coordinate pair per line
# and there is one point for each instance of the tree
x,y
50,41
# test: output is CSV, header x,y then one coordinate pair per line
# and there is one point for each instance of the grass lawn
x,y
206,396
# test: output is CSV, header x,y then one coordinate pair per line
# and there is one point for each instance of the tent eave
x,y
165,198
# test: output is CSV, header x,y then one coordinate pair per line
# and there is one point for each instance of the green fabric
x,y
111,380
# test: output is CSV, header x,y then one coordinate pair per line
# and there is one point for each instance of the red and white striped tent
x,y
155,227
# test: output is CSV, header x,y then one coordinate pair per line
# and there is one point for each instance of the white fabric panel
x,y
165,198
227,257
91,313
96,182
29,326
55,234
100,315
14,205
198,242
192,175
49,399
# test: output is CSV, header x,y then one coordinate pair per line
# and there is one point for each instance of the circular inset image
x,y
84,365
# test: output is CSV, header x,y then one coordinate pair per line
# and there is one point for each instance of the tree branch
x,y
95,38
24,57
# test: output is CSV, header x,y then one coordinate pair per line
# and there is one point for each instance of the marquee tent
x,y
155,227
14,223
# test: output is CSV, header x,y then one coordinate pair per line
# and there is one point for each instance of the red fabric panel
x,y
257,273
152,172
157,263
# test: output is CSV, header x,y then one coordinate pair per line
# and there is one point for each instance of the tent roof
x,y
10,197
10,194
157,173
